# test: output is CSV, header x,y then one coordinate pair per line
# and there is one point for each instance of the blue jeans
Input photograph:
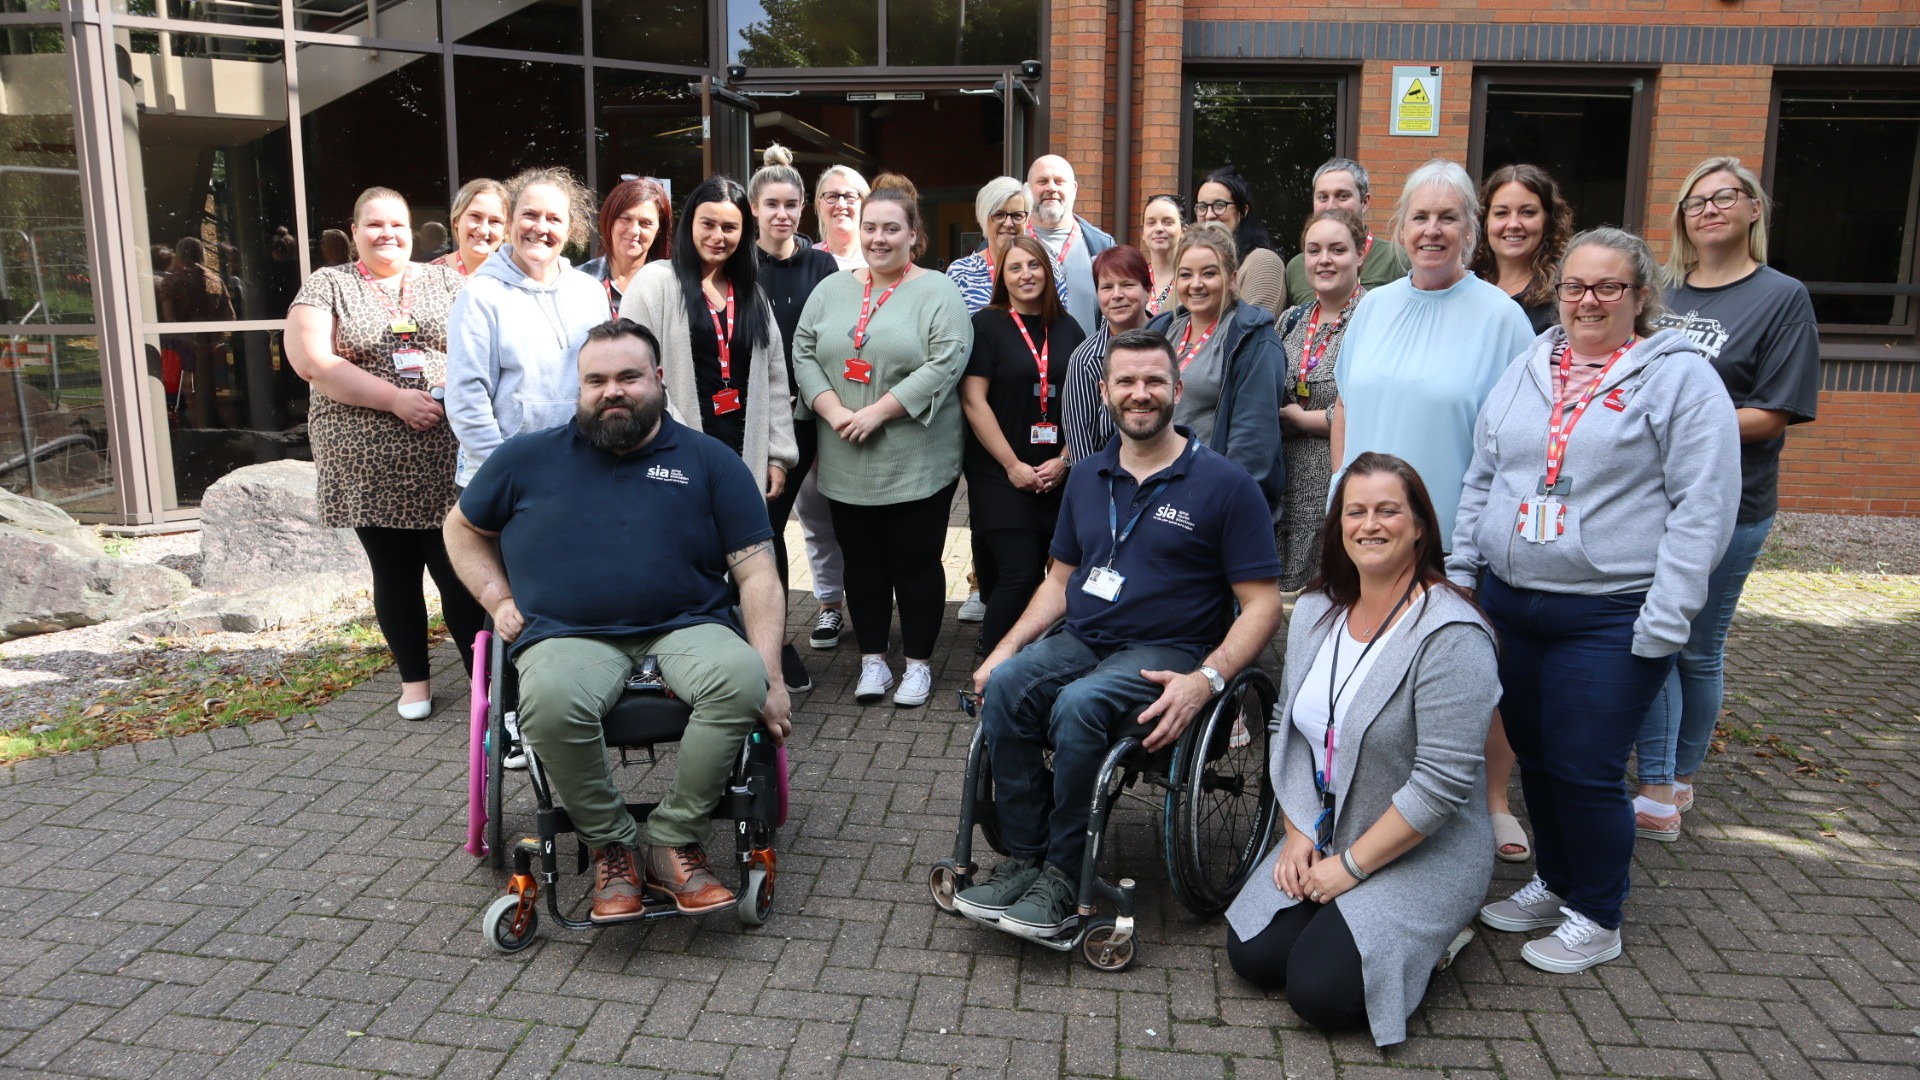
x,y
1573,696
1673,741
1060,692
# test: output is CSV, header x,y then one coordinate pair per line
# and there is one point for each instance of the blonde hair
x,y
580,201
367,196
1684,256
776,167
1215,238
472,190
854,179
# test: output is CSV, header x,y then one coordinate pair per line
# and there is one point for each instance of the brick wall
x,y
1861,457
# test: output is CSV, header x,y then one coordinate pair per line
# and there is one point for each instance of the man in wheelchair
x,y
606,540
1158,536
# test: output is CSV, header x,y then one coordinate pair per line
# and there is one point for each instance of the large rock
x,y
271,607
56,575
260,526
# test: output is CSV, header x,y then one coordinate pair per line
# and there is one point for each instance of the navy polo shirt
x,y
599,544
1207,530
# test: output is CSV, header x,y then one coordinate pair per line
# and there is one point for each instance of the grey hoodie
x,y
512,350
1654,466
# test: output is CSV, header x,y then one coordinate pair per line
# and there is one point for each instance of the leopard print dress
x,y
375,471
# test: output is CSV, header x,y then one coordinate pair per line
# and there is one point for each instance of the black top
x,y
788,282
1000,355
730,428
1541,315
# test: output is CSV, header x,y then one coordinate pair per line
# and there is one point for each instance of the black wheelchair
x,y
646,716
1216,806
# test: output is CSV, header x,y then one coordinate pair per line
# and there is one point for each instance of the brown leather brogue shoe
x,y
616,885
683,874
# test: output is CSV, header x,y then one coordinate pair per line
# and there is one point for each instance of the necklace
x,y
1380,623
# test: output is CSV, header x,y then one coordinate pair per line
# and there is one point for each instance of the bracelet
x,y
1346,860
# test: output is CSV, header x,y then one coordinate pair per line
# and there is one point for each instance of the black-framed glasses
x,y
848,197
1215,208
1695,205
1018,217
1607,292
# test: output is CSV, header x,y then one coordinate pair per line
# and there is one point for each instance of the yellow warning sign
x,y
1416,100
1415,95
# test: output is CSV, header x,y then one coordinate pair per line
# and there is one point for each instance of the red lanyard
x,y
866,313
1368,250
1039,358
1186,355
1309,356
724,337
1560,426
402,313
1060,260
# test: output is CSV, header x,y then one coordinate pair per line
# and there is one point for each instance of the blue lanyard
x,y
1114,531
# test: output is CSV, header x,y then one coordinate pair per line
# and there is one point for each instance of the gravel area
x,y
1828,543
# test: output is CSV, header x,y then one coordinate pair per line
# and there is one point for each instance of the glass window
x,y
411,20
954,32
227,399
804,33
1278,132
537,26
660,32
1846,187
53,423
45,273
647,125
247,13
356,106
517,114
1582,135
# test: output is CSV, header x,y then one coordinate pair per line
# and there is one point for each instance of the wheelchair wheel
x,y
945,881
1223,810
496,756
1099,951
756,898
985,815
498,925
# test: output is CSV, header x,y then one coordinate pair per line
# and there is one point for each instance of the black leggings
x,y
807,437
1017,560
1307,951
397,557
893,551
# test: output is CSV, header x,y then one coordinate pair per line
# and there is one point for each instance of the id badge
x,y
409,361
1044,434
1104,582
403,327
858,370
1300,390
1542,519
726,401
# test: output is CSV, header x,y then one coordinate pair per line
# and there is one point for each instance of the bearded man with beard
x,y
1158,537
546,536
1072,240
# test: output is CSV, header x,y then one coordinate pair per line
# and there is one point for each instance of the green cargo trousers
x,y
568,684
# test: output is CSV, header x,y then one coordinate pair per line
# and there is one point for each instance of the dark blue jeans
x,y
1573,696
1061,693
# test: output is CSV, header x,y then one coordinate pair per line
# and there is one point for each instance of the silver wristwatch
x,y
1214,679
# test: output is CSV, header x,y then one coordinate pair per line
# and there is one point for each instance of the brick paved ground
x,y
291,898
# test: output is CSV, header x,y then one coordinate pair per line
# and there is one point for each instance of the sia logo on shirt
x,y
1171,516
671,476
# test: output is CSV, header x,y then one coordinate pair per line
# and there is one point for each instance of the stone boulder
x,y
271,607
56,575
260,526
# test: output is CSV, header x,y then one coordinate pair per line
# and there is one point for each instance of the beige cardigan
x,y
654,300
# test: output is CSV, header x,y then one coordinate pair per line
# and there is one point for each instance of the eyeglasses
x,y
1607,292
1215,208
1695,205
1018,217
848,197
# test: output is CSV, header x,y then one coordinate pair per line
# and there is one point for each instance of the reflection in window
x,y
411,20
1278,133
53,423
519,114
1858,230
44,271
657,32
1582,135
805,33
951,32
647,125
251,13
536,26
357,105
229,400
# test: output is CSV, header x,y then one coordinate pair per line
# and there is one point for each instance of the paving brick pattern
x,y
291,898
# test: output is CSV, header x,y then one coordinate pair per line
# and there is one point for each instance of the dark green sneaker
x,y
1049,909
1008,883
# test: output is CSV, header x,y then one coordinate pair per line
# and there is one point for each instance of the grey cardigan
x,y
1418,725
654,300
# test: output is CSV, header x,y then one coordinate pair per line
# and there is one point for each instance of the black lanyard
x,y
1114,531
1323,778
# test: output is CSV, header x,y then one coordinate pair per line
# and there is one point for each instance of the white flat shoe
x,y
417,710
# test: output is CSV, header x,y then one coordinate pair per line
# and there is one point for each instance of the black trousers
x,y
893,553
1307,951
1016,561
398,556
807,437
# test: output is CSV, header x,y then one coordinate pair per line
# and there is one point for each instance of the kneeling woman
x,y
1382,787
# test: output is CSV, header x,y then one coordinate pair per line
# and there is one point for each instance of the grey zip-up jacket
x,y
1654,475
512,354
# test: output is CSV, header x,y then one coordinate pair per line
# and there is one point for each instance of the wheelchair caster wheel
x,y
499,925
1100,951
756,898
946,882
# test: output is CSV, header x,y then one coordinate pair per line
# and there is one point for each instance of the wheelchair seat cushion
x,y
644,718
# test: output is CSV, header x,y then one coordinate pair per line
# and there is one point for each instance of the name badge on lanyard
x,y
1104,582
858,370
1543,518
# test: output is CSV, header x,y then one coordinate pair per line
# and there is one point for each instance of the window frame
x,y
1346,78
1639,138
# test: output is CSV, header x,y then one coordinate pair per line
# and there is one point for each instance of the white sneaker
x,y
516,755
1577,945
916,685
875,680
974,610
1532,908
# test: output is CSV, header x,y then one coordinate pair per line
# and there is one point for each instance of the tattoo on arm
x,y
736,558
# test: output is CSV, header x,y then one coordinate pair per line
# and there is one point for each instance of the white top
x,y
855,261
1310,704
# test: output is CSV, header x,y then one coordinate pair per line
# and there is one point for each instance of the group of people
x,y
1157,442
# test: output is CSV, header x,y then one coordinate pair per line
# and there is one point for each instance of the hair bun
x,y
889,181
777,156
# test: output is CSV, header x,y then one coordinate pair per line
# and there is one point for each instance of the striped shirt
x,y
1082,411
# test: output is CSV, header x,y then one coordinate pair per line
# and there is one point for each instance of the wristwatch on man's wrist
x,y
1214,679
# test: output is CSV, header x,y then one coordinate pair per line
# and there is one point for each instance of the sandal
x,y
1508,833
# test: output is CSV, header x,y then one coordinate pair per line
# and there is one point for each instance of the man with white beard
x,y
1073,241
